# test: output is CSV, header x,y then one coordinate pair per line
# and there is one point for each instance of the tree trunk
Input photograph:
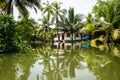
x,y
9,7
57,28
72,35
45,33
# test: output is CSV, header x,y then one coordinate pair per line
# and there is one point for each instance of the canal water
x,y
63,61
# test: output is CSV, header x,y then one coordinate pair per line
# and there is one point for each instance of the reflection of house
x,y
66,46
66,36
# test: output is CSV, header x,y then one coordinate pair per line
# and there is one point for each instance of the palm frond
x,y
2,3
71,15
115,19
35,3
22,9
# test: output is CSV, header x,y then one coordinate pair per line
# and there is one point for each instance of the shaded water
x,y
62,62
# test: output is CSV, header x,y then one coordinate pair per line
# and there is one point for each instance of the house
x,y
66,36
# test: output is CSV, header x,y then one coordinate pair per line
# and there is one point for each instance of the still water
x,y
64,61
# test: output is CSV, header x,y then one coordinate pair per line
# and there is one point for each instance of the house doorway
x,y
62,36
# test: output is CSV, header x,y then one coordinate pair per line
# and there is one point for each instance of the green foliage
x,y
26,28
7,33
14,35
53,14
90,23
116,34
72,23
71,15
6,6
109,11
90,27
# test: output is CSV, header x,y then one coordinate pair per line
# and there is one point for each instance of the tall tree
x,y
44,26
48,11
58,14
110,12
6,6
73,22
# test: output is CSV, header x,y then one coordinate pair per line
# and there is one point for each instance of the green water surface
x,y
76,62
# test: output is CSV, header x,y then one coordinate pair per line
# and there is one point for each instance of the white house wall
x,y
66,37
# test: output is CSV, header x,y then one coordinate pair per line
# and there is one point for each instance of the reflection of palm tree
x,y
45,54
96,60
58,65
71,61
51,65
16,66
105,67
74,62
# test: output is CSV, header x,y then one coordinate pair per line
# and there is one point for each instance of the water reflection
x,y
16,67
65,66
65,61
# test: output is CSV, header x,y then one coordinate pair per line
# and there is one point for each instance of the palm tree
x,y
6,6
45,26
71,61
73,22
110,12
47,11
58,14
53,12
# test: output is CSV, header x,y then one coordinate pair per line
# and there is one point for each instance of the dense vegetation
x,y
104,26
8,34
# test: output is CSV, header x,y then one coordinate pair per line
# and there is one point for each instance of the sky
x,y
80,6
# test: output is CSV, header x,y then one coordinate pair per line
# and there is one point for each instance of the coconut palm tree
x,y
6,6
110,12
58,14
73,22
47,11
45,26
52,12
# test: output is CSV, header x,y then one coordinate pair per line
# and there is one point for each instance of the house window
x,y
68,34
76,35
62,36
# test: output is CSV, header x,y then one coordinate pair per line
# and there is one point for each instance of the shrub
x,y
7,33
